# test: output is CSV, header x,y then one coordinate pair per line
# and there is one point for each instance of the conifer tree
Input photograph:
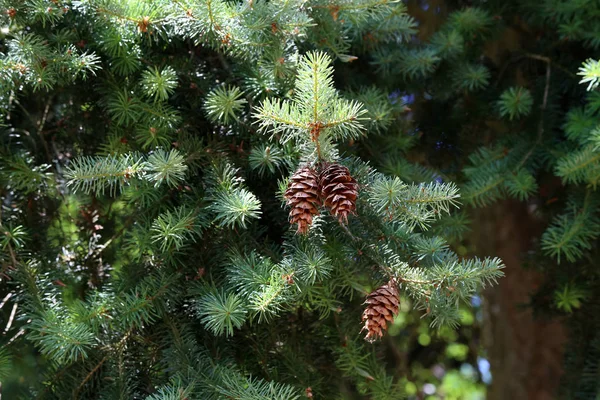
x,y
211,199
154,157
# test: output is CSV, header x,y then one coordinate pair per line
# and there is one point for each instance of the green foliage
x,y
579,166
173,229
6,361
12,236
142,220
96,174
472,77
113,173
515,102
22,175
223,104
266,158
573,232
159,84
412,204
418,63
471,21
220,312
379,111
317,110
569,298
590,73
63,341
166,167
448,44
236,207
521,185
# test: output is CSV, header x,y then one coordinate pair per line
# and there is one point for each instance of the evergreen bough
x,y
145,146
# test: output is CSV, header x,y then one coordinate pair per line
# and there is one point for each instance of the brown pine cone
x,y
339,191
302,196
382,307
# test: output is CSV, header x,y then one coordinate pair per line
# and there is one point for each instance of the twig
x,y
538,57
93,371
41,125
540,133
5,299
21,331
548,60
116,235
345,228
11,318
386,268
417,281
13,259
89,375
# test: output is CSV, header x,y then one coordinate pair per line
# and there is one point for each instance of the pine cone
x,y
302,196
339,191
382,307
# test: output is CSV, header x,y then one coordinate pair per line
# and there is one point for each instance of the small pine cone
x,y
382,306
302,196
339,191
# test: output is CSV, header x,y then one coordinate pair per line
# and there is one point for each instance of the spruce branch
x,y
413,204
236,208
115,172
317,113
224,103
6,363
581,166
471,77
573,232
172,229
266,158
521,185
449,44
417,63
569,297
221,312
159,84
249,272
269,300
471,22
515,102
97,174
163,167
63,340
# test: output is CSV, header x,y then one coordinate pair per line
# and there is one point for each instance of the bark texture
x,y
525,353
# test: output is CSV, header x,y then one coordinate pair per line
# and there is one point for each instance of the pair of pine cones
x,y
334,188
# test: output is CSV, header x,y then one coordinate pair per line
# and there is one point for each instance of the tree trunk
x,y
525,353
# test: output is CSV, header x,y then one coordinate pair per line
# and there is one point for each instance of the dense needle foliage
x,y
145,148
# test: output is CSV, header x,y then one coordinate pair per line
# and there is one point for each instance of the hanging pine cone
x,y
339,191
382,307
302,196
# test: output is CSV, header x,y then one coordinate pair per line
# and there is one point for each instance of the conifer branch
x,y
90,375
540,133
174,222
